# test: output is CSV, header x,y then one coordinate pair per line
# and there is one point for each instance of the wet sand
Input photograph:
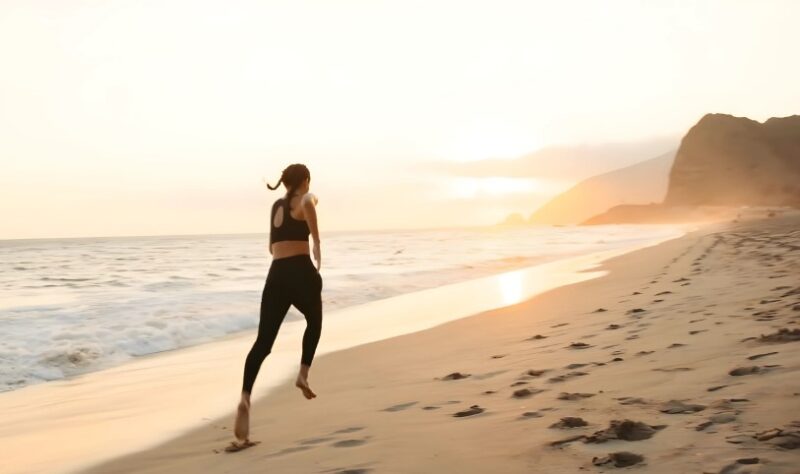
x,y
101,415
685,357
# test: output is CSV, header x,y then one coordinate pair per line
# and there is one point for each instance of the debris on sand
x,y
620,459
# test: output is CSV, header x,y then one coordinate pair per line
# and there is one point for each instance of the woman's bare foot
x,y
242,426
302,383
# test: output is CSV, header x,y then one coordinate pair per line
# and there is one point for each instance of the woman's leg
x,y
274,305
309,302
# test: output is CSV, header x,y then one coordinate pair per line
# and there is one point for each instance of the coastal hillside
x,y
640,183
724,163
732,161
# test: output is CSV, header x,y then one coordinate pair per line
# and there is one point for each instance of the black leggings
x,y
291,281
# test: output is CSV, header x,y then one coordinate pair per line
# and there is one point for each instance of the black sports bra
x,y
290,228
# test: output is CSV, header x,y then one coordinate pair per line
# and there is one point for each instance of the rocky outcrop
x,y
732,161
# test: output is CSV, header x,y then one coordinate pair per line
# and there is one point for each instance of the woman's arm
x,y
310,214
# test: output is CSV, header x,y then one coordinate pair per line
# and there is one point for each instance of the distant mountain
x,y
726,160
642,183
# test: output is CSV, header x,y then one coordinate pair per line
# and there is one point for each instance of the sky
x,y
163,117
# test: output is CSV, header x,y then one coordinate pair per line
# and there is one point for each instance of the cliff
x,y
732,161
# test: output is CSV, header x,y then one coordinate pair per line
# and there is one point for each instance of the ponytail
x,y
273,188
291,177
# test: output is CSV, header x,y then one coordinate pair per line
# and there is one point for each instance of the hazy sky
x,y
122,117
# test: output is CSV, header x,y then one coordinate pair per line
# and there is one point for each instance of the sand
x,y
638,361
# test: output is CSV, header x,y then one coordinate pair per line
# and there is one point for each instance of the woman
x,y
292,280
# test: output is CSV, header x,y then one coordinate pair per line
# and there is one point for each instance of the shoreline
x,y
388,408
127,392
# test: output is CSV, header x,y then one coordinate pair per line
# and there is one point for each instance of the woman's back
x,y
289,230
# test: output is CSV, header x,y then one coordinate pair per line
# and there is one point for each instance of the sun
x,y
481,140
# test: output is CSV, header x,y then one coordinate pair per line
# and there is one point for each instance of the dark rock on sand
x,y
473,410
535,373
739,371
569,422
455,376
525,392
579,345
783,335
674,407
627,430
620,459
574,396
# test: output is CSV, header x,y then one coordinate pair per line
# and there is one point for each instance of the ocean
x,y
71,306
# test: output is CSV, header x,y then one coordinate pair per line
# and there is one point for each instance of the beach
x,y
693,341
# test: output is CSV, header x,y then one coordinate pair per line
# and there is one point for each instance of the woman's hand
x,y
318,255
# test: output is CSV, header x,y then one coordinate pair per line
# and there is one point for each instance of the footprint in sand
x,y
488,375
293,449
351,429
579,345
758,356
400,407
676,407
311,441
574,396
535,373
526,392
632,401
565,377
348,443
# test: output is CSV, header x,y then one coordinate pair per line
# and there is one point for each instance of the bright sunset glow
x,y
493,186
485,140
121,118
